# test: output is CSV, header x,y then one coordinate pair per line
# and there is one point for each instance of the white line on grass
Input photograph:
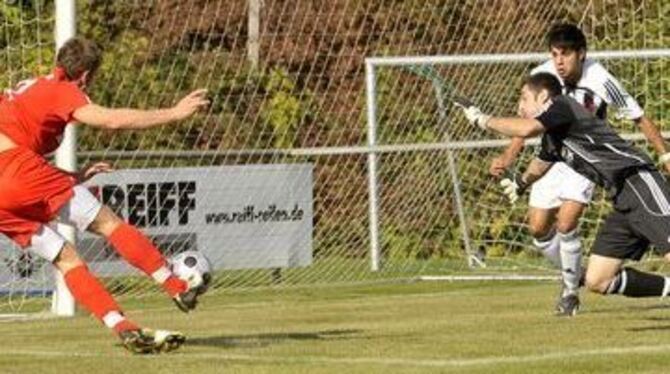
x,y
315,360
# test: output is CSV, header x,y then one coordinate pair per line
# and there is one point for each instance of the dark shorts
x,y
641,218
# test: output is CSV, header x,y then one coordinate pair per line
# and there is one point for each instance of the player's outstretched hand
x,y
476,117
190,104
91,170
513,186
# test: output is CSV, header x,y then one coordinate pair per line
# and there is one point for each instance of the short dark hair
x,y
78,55
544,81
566,36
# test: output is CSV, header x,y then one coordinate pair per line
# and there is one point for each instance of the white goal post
x,y
373,64
62,303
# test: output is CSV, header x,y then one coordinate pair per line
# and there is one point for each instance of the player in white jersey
x,y
559,198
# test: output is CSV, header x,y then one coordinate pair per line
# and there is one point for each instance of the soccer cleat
x,y
145,341
567,305
188,300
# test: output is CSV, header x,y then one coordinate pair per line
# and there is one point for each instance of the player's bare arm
x,y
507,158
508,126
531,102
654,136
515,127
136,119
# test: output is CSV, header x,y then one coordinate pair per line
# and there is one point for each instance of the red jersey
x,y
35,113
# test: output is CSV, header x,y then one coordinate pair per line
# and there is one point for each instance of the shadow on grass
x,y
266,339
628,308
664,327
649,328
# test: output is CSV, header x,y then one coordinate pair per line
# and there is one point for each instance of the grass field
x,y
478,327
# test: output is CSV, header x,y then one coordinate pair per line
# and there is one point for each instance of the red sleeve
x,y
70,98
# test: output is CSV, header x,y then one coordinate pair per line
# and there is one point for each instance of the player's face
x,y
568,63
530,102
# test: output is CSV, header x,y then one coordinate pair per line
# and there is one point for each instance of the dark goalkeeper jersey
x,y
588,145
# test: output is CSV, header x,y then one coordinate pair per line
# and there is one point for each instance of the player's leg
x,y
542,229
618,240
92,295
544,201
567,222
87,213
605,275
645,203
575,193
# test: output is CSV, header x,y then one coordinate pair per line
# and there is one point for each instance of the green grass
x,y
479,327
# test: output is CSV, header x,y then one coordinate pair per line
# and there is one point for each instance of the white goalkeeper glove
x,y
476,117
513,187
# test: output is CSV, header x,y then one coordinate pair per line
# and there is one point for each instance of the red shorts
x,y
32,191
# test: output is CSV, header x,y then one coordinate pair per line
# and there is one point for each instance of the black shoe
x,y
145,341
567,305
188,300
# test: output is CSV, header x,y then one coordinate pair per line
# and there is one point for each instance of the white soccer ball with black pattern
x,y
194,268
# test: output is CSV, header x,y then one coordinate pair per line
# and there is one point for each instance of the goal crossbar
x,y
492,58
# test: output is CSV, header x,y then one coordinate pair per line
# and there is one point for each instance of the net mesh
x,y
304,91
26,49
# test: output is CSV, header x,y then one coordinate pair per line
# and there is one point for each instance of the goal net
x,y
274,181
434,150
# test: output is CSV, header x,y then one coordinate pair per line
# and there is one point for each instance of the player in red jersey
x,y
34,193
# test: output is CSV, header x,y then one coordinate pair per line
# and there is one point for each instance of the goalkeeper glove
x,y
513,186
476,117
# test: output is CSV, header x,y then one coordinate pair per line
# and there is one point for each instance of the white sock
x,y
571,258
666,287
161,275
549,246
112,319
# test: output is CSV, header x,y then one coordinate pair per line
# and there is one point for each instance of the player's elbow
x,y
526,132
97,116
531,131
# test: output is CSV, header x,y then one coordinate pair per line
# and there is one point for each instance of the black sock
x,y
634,283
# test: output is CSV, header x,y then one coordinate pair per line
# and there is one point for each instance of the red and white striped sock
x,y
92,295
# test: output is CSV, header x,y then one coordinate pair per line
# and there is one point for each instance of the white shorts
x,y
559,184
79,211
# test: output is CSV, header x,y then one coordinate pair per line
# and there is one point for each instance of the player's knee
x,y
539,230
566,226
596,283
105,222
67,259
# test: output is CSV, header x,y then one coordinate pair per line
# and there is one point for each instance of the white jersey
x,y
596,90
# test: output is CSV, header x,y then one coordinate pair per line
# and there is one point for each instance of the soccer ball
x,y
194,268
